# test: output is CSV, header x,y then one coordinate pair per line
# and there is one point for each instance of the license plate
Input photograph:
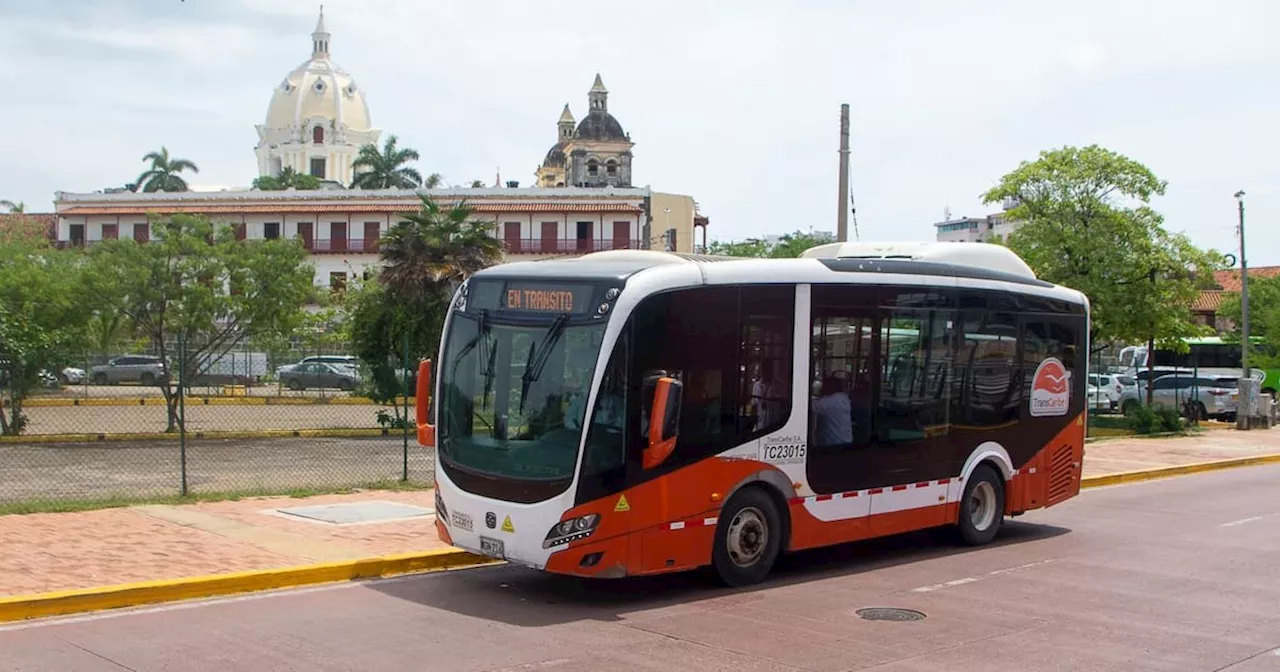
x,y
460,520
492,548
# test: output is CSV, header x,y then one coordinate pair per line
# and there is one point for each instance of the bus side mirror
x,y
422,403
664,422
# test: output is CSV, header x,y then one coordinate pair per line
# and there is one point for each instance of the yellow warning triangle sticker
x,y
507,526
622,504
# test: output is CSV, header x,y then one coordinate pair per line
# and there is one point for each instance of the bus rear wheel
x,y
748,538
981,507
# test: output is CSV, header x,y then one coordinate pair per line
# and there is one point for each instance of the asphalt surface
x,y
1181,574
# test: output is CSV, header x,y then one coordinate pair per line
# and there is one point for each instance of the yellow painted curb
x,y
1180,470
209,401
62,603
335,433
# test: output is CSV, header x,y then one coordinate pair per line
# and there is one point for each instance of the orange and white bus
x,y
632,412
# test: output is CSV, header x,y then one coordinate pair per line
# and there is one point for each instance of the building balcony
x,y
341,245
566,245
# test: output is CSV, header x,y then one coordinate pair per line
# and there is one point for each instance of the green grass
x,y
74,505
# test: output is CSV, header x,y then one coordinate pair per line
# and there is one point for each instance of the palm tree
x,y
287,179
435,249
163,175
477,184
14,208
386,169
433,181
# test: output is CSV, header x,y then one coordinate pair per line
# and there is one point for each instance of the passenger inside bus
x,y
832,414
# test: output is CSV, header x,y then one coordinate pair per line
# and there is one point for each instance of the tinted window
x,y
914,393
987,379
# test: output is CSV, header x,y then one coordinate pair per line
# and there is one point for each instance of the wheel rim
x,y
982,506
748,536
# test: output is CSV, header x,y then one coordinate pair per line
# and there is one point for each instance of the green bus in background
x,y
1207,353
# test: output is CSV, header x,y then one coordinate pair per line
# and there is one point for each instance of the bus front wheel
x,y
982,506
748,538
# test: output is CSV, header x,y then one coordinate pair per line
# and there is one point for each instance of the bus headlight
x,y
572,529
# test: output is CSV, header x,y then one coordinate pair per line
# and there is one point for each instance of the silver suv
x,y
144,369
1212,396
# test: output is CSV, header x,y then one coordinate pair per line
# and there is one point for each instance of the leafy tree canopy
x,y
164,173
386,169
287,179
1088,225
1264,320
788,246
197,283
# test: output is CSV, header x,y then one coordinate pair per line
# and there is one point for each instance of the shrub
x,y
1147,420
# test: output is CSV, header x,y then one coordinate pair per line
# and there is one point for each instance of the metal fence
x,y
252,421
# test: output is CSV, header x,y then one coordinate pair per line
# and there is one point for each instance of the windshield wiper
x,y
486,353
538,357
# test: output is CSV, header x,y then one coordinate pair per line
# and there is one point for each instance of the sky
x,y
736,104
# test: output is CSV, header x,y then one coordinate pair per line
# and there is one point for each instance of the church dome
x,y
319,89
600,125
555,157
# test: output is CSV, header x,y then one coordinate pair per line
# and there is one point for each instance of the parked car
x,y
1095,400
1213,396
71,376
320,375
1121,390
340,360
144,369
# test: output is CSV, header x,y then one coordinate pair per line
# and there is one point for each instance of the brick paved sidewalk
x,y
61,551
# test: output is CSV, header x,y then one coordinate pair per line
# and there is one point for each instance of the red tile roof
x,y
307,208
1208,302
45,220
1230,280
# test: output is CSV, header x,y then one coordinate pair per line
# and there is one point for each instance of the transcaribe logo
x,y
1050,389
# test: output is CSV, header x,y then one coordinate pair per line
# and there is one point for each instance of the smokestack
x,y
842,217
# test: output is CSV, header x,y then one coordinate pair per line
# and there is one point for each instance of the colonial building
x,y
316,123
978,229
341,228
318,119
595,153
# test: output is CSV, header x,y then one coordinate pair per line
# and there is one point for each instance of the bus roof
x,y
813,268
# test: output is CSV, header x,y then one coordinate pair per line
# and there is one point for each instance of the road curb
x,y
63,603
1180,470
335,433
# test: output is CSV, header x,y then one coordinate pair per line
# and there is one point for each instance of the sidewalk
x,y
64,551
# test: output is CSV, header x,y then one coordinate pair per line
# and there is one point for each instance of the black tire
x,y
346,385
1204,412
984,489
147,379
99,379
295,385
62,378
748,516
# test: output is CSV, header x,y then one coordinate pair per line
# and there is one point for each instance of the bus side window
x,y
606,428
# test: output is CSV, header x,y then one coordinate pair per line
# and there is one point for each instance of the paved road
x,y
1182,575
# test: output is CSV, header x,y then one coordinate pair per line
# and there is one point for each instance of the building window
x,y
593,168
109,232
317,135
142,232
77,235
271,230
611,168
338,282
317,167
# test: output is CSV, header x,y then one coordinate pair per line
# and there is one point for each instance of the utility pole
x,y
842,218
1244,293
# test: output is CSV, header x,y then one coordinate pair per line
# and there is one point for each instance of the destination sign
x,y
547,298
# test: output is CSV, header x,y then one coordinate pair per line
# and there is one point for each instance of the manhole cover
x,y
358,512
890,614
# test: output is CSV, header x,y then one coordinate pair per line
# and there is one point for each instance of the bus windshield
x,y
513,396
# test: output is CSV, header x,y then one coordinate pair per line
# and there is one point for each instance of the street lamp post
x,y
1244,293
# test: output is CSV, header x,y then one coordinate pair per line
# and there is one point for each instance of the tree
x,y
1264,320
386,169
164,172
1087,224
435,249
433,181
14,208
41,318
477,184
425,258
196,284
287,179
788,246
